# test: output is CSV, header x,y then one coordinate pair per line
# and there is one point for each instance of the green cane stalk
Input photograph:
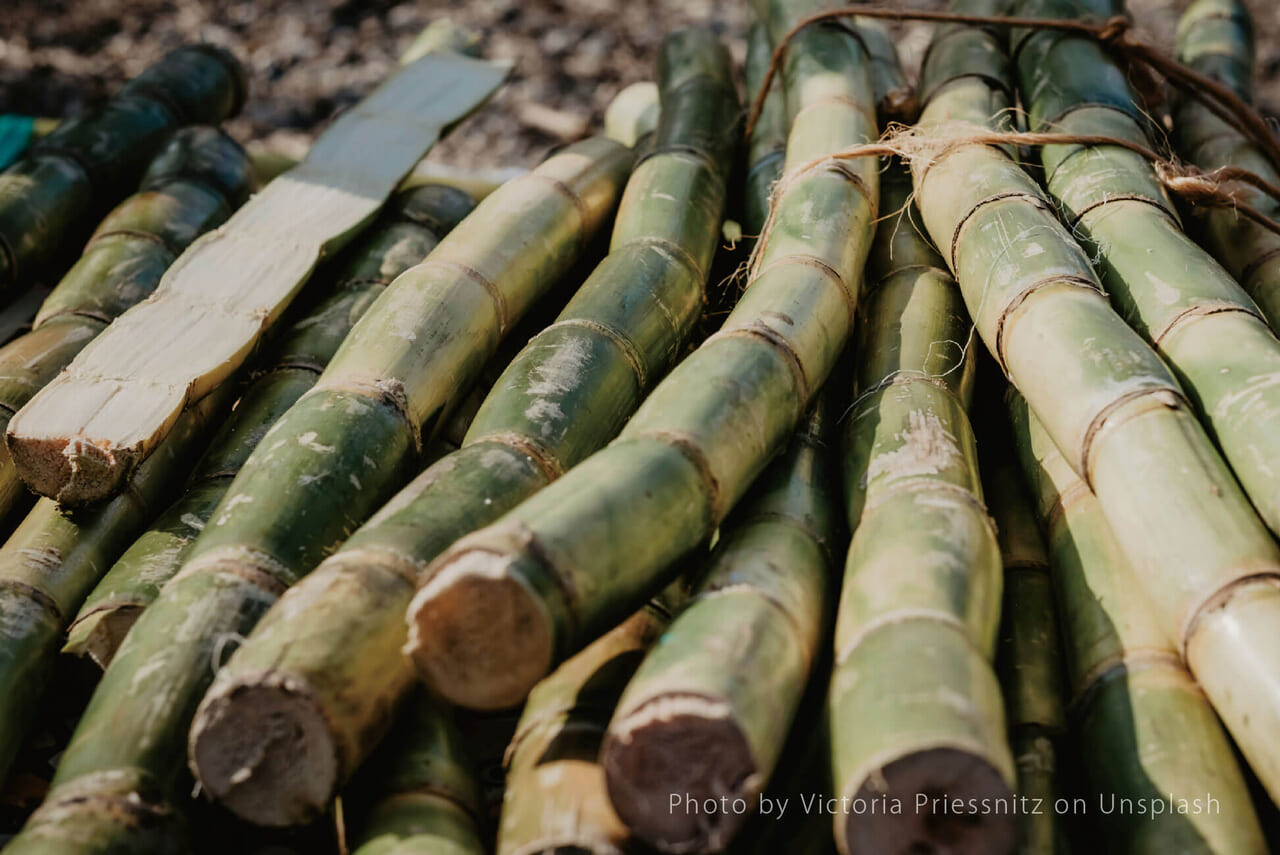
x,y
1215,37
1029,654
914,705
330,653
1109,402
555,798
708,712
767,147
1143,727
502,606
424,792
68,179
55,557
1164,284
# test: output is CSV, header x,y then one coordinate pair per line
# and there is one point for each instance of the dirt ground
x,y
308,59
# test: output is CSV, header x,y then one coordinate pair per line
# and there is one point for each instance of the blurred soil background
x,y
309,59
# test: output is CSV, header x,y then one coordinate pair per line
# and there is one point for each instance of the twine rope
x,y
1115,33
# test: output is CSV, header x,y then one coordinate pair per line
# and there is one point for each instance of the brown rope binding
x,y
1189,183
1114,32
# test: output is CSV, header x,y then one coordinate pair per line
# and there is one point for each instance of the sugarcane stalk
x,y
922,577
707,713
425,795
476,183
333,645
269,164
632,113
572,560
77,440
411,226
191,186
1215,37
486,736
896,99
1144,729
325,464
69,178
1029,652
1162,282
767,146
555,798
1207,562
54,558
791,816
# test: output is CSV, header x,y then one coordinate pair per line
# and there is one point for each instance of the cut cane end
x,y
686,748
928,785
262,748
479,634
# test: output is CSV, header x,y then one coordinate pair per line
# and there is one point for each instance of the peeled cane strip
x,y
338,635
194,184
572,560
411,226
1167,287
1209,565
81,436
708,712
1215,37
1144,728
922,576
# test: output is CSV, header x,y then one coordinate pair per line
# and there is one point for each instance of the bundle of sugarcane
x,y
50,197
78,439
1029,655
578,556
1144,729
196,181
706,715
420,790
772,564
1215,37
1107,399
922,578
555,798
54,558
329,656
1163,283
324,466
411,226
